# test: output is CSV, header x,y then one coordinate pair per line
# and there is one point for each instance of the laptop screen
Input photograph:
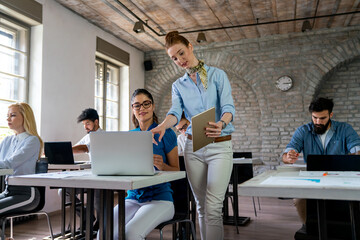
x,y
59,152
333,162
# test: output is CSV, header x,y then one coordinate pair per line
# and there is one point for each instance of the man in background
x,y
181,128
90,119
322,136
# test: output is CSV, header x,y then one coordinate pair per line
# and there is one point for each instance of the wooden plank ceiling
x,y
118,18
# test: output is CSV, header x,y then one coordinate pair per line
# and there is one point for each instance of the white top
x,y
181,144
86,140
20,152
323,138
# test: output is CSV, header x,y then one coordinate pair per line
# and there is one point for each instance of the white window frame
x,y
103,114
20,70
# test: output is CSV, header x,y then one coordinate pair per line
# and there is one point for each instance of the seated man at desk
x,y
90,119
321,136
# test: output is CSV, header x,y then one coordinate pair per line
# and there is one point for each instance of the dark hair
x,y
148,94
88,114
321,104
173,38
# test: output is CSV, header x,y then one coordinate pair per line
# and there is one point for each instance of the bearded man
x,y
321,136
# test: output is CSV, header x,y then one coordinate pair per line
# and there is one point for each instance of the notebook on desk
x,y
59,153
122,153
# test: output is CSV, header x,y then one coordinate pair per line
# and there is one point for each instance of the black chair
x,y
244,172
183,210
41,167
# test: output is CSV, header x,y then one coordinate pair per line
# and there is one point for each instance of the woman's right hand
x,y
160,129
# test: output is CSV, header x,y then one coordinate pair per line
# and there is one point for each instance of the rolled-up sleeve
x,y
177,103
224,92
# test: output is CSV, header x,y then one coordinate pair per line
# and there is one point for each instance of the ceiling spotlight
x,y
201,38
306,26
139,27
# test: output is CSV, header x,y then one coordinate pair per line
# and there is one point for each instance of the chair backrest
x,y
41,167
245,171
181,192
242,154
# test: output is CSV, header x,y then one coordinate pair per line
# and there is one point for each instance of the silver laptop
x,y
121,153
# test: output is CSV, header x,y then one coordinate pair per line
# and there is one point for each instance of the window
x,y
107,92
14,56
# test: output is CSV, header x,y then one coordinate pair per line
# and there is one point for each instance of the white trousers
x,y
209,171
142,218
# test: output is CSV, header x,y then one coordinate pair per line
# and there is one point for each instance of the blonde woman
x,y
20,152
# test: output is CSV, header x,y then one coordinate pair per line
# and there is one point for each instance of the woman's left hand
x,y
214,130
158,162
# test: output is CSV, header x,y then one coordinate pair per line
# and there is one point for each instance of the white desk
x,y
288,184
107,184
247,161
4,171
65,167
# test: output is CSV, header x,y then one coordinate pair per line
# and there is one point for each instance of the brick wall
x,y
321,63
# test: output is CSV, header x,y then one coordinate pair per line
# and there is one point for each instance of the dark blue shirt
x,y
161,191
340,140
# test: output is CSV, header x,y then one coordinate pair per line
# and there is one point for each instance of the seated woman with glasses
x,y
147,207
181,128
20,152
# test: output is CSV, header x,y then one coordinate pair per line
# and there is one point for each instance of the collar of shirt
x,y
153,125
20,137
187,76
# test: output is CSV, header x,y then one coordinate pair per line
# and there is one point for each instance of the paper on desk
x,y
286,181
58,175
323,181
328,173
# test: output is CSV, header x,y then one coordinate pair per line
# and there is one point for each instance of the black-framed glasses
x,y
145,104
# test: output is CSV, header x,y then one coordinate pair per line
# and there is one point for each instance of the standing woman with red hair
x,y
20,153
208,169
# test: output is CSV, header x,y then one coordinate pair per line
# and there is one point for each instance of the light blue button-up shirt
x,y
341,139
20,153
193,98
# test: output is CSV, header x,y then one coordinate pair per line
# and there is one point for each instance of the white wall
x,y
65,85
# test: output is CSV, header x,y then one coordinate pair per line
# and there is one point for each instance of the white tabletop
x,y
290,184
85,179
82,166
4,171
247,161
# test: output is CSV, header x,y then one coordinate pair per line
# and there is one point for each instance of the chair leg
x,y
3,229
49,224
161,234
259,203
11,228
254,206
235,217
